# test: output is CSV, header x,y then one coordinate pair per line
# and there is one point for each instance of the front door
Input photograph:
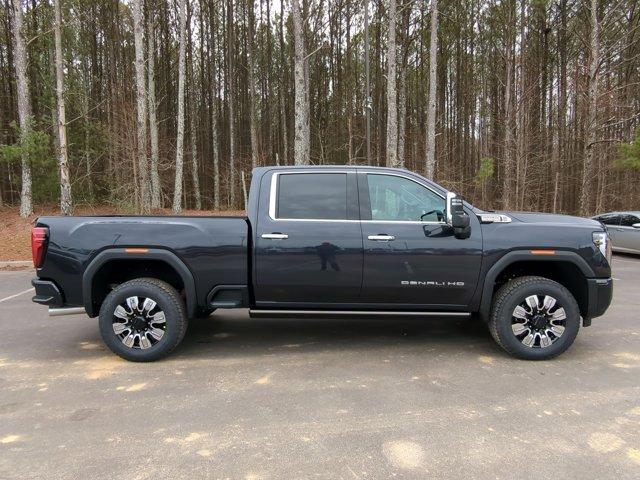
x,y
411,258
309,244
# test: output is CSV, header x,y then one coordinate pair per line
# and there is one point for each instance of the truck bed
x,y
214,249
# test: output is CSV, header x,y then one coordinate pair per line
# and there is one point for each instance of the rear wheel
x,y
143,319
534,318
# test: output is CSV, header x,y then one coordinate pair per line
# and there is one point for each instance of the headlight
x,y
601,240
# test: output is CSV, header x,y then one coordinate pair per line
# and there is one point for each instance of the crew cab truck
x,y
329,241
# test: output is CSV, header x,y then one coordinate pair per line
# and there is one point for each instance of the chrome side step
x,y
57,312
266,313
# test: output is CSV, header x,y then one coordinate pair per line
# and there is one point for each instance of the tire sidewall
x,y
517,296
171,337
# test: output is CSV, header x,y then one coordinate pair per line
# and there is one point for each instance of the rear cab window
x,y
314,196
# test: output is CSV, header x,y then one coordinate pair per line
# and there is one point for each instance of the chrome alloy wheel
x,y
139,322
538,321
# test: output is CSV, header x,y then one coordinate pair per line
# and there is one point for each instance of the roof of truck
x,y
312,167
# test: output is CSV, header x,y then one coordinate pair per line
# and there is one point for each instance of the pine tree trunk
x,y
177,189
253,113
283,127
301,114
141,97
283,86
367,83
216,151
193,126
214,116
231,81
87,151
24,106
351,159
562,107
63,160
392,94
195,179
521,114
509,150
430,144
586,193
402,117
156,189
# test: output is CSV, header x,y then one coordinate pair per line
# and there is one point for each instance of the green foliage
x,y
35,145
630,154
486,170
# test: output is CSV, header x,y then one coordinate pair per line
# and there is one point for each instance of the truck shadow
x,y
233,333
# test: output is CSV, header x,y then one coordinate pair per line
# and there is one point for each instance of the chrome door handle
x,y
275,236
381,238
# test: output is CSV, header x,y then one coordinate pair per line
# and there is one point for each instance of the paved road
x,y
318,399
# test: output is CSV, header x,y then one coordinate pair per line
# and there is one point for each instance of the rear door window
x,y
312,196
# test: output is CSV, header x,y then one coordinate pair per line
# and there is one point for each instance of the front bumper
x,y
599,294
47,293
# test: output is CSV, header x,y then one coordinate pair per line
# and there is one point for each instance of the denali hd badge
x,y
430,283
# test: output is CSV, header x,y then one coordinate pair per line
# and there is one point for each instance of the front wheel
x,y
534,318
143,319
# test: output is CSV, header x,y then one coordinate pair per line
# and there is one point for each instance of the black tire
x,y
515,293
167,300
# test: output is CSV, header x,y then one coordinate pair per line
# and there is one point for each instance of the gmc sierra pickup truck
x,y
329,241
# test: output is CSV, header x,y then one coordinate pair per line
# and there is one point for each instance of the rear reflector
x,y
543,252
38,245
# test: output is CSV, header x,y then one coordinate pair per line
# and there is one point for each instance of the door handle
x,y
274,236
381,238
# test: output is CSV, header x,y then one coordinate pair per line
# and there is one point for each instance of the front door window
x,y
400,199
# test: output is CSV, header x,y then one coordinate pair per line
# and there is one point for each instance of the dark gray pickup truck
x,y
329,241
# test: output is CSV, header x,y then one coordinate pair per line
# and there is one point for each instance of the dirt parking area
x,y
275,399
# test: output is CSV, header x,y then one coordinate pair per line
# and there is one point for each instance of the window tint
x,y
628,220
610,219
398,198
321,196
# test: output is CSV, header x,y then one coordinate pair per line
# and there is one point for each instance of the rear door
x,y
308,239
411,257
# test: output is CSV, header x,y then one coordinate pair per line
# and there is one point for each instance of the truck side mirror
x,y
457,219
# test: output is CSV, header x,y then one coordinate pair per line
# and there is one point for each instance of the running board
x,y
58,312
349,313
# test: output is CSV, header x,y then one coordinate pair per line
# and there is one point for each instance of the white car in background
x,y
624,230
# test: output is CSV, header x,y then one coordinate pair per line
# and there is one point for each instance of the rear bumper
x,y
47,293
600,294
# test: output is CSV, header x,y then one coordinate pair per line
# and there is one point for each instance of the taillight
x,y
38,245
